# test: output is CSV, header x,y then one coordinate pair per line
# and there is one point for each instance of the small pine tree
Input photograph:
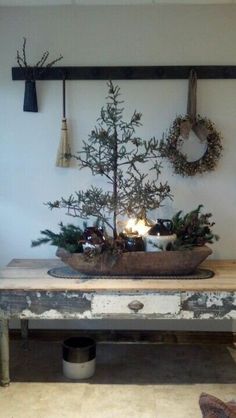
x,y
115,152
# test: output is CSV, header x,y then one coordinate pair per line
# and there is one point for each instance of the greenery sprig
x,y
192,229
69,237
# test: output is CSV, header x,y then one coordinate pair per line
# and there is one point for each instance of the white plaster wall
x,y
131,35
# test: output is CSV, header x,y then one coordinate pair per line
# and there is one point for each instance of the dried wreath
x,y
206,132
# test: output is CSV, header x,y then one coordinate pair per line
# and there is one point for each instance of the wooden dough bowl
x,y
138,263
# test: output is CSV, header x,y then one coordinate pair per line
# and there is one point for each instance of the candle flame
x,y
138,226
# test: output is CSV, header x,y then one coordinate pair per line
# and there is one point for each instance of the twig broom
x,y
63,153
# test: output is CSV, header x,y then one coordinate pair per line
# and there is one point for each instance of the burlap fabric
x,y
191,124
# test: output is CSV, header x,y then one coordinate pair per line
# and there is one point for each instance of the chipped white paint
x,y
54,314
87,296
154,304
231,314
206,316
188,295
209,299
187,315
215,299
201,300
49,294
28,300
71,295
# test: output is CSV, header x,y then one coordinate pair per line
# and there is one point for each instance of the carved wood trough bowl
x,y
137,263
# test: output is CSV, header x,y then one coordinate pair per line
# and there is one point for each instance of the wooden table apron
x,y
28,292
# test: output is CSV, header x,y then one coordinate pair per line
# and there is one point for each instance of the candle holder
x,y
133,243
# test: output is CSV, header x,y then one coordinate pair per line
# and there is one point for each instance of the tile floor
x,y
141,381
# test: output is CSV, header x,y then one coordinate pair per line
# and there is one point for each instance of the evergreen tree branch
x,y
92,203
113,150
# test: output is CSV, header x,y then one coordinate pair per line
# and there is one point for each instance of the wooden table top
x,y
31,274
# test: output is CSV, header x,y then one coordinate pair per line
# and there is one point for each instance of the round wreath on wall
x,y
179,131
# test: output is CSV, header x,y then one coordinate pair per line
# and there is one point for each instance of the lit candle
x,y
136,226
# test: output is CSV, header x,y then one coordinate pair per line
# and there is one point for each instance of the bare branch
x,y
22,61
24,53
50,64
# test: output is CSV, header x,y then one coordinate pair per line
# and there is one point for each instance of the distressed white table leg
x,y
24,333
4,352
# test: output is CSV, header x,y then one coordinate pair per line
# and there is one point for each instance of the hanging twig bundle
x,y
22,61
30,97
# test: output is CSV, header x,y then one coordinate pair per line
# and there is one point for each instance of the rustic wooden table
x,y
28,292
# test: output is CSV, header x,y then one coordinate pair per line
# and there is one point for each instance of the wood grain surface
x,y
31,274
